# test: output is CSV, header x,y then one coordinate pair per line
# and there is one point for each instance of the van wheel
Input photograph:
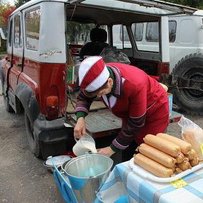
x,y
188,99
33,142
7,105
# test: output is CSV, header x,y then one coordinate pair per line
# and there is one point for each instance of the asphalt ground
x,y
23,177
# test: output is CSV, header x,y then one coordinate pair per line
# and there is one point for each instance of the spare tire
x,y
189,98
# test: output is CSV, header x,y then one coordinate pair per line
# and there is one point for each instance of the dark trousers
x,y
124,155
128,153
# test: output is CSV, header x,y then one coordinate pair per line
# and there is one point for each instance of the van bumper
x,y
54,138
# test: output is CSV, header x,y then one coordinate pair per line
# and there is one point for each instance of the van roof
x,y
198,12
155,7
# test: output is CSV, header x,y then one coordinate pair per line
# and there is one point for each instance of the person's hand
x,y
80,128
107,151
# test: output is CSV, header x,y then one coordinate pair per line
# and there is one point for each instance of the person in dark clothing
x,y
98,39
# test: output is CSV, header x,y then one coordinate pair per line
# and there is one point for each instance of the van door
x,y
17,52
15,69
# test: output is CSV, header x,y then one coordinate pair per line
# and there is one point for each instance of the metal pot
x,y
86,174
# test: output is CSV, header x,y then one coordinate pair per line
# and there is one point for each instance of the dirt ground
x,y
23,178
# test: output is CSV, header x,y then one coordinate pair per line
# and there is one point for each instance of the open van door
x,y
14,61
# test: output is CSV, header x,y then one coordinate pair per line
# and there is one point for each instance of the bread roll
x,y
185,146
157,155
162,144
184,165
180,158
152,166
178,170
191,154
194,161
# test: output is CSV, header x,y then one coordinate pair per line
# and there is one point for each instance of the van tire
x,y
190,101
7,105
33,142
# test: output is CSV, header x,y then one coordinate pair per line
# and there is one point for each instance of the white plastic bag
x,y
193,134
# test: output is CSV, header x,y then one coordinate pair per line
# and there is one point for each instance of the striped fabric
x,y
124,182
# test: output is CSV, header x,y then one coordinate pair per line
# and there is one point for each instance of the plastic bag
x,y
193,134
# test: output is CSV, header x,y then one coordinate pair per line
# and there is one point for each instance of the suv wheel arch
x,y
31,138
31,111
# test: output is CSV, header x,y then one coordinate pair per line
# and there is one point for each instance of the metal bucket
x,y
86,174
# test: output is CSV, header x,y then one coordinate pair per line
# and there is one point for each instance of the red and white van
x,y
41,34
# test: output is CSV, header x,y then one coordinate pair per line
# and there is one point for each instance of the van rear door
x,y
15,54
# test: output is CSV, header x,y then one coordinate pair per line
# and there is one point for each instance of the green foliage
x,y
5,11
18,3
3,46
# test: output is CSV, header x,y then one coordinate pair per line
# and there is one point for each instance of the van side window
x,y
152,32
172,30
17,32
138,31
32,29
120,37
124,34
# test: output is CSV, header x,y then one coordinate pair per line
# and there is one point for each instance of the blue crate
x,y
63,186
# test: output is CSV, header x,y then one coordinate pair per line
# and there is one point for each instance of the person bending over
x,y
132,95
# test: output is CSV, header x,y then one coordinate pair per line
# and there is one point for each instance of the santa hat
x,y
93,73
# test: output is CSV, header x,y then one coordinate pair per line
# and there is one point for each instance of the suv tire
x,y
190,67
33,142
8,107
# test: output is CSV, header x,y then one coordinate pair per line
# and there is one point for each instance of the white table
x,y
125,184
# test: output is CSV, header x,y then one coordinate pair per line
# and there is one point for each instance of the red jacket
x,y
139,100
137,94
